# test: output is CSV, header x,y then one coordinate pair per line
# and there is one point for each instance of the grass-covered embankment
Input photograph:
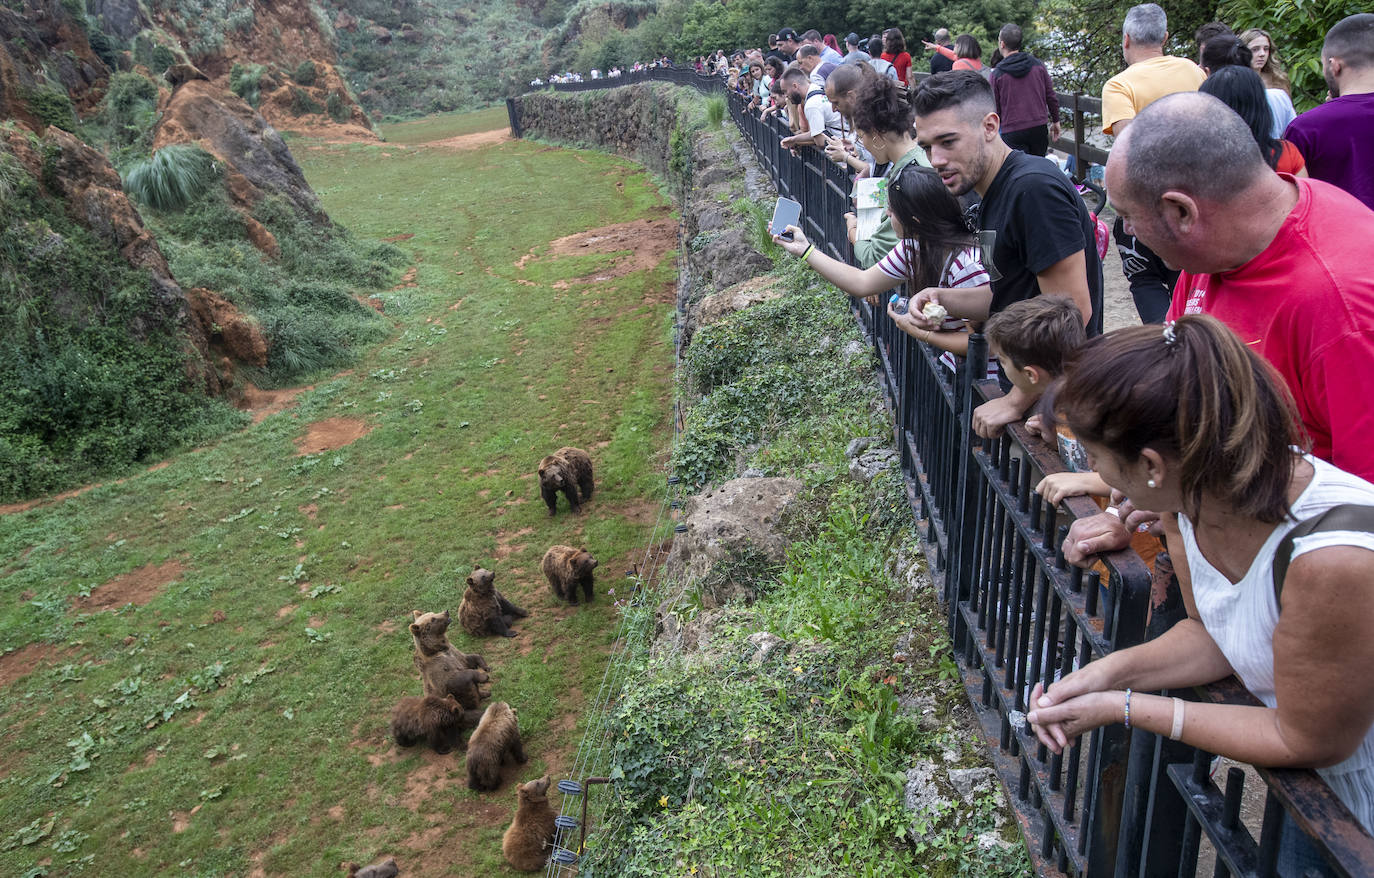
x,y
236,721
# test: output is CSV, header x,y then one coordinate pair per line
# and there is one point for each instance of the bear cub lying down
x,y
439,721
568,470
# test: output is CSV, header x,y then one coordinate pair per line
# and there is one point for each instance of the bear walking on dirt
x,y
568,470
497,734
438,721
566,569
527,842
483,610
445,670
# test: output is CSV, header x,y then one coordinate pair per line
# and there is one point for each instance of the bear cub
x,y
484,610
566,569
438,721
385,869
531,834
568,470
497,735
443,669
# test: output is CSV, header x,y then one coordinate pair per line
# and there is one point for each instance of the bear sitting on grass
x,y
531,834
443,669
497,734
568,470
432,719
566,569
483,610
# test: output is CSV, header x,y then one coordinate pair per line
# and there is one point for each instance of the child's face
x,y
1025,379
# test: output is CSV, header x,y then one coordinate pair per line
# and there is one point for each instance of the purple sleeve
x,y
1051,99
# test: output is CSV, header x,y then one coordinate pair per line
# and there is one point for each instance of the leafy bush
x,y
175,176
302,104
336,107
52,107
715,112
162,58
305,73
245,80
128,114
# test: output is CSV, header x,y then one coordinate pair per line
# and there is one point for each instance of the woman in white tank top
x,y
1191,423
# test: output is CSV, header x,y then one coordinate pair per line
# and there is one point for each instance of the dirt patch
x,y
473,141
137,587
25,660
394,238
330,434
261,403
641,245
506,544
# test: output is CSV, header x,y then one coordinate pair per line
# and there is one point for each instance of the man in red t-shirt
x,y
1282,261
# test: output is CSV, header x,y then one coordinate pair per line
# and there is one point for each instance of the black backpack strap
x,y
1347,516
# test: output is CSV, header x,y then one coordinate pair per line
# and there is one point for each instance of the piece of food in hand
x,y
934,311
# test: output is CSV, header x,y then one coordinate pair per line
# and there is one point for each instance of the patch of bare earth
x,y
261,403
27,659
331,434
472,141
137,587
640,246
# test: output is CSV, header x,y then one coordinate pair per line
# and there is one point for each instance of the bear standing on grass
x,y
443,669
435,720
497,734
526,843
566,569
568,470
483,610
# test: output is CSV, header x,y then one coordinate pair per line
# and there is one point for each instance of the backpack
x,y
1347,516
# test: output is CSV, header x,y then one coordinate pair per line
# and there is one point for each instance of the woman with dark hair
x,y
1241,89
966,54
1193,423
1229,50
935,249
895,53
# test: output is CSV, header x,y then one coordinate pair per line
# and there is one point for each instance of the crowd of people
x,y
1230,419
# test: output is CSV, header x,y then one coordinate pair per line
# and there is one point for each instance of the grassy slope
x,y
292,771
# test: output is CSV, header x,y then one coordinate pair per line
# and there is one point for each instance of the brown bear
x,y
497,734
484,610
439,721
385,869
531,834
567,568
568,470
443,669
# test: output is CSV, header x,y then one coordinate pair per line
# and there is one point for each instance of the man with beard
x,y
821,118
1337,138
1034,231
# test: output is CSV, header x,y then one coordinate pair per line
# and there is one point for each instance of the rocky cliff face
x,y
47,66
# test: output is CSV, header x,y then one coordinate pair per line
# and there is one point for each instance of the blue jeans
x,y
1298,855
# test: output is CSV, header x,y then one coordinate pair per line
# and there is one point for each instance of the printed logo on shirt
x,y
1195,299
987,243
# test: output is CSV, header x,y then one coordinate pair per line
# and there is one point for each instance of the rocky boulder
x,y
256,159
717,306
42,45
741,521
727,259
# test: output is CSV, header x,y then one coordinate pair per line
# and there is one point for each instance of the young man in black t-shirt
x,y
1034,231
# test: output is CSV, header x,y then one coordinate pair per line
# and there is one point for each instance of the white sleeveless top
x,y
1241,617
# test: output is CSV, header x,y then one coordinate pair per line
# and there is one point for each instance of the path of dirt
x,y
137,587
641,243
261,403
330,434
471,141
27,659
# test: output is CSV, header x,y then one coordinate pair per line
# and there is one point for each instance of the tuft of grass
x,y
715,111
174,177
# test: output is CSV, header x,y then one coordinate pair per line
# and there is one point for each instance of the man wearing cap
x,y
854,53
788,43
774,51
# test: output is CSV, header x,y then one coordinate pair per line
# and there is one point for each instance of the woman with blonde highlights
x,y
1193,424
1264,60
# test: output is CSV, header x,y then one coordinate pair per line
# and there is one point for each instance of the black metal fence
x,y
1118,802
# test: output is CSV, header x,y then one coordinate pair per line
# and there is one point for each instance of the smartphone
x,y
785,213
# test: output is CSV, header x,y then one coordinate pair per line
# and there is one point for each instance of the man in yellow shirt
x,y
1150,75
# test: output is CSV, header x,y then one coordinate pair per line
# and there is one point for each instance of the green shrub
x,y
129,91
105,48
245,80
52,107
128,114
337,108
302,104
305,73
162,58
715,111
175,176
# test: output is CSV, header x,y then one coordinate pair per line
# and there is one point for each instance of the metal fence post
x,y
966,495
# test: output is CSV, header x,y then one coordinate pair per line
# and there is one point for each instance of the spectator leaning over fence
x,y
939,62
821,118
1279,260
1024,96
882,119
1191,421
967,54
1337,137
1241,89
809,60
934,248
1149,75
895,53
854,52
1035,233
813,38
881,67
842,89
788,43
1228,51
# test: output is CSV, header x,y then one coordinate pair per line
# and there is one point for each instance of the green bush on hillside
x,y
305,73
337,109
128,114
302,104
51,107
161,58
175,176
245,80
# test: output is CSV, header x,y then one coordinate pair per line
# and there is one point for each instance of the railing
x,y
1117,802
